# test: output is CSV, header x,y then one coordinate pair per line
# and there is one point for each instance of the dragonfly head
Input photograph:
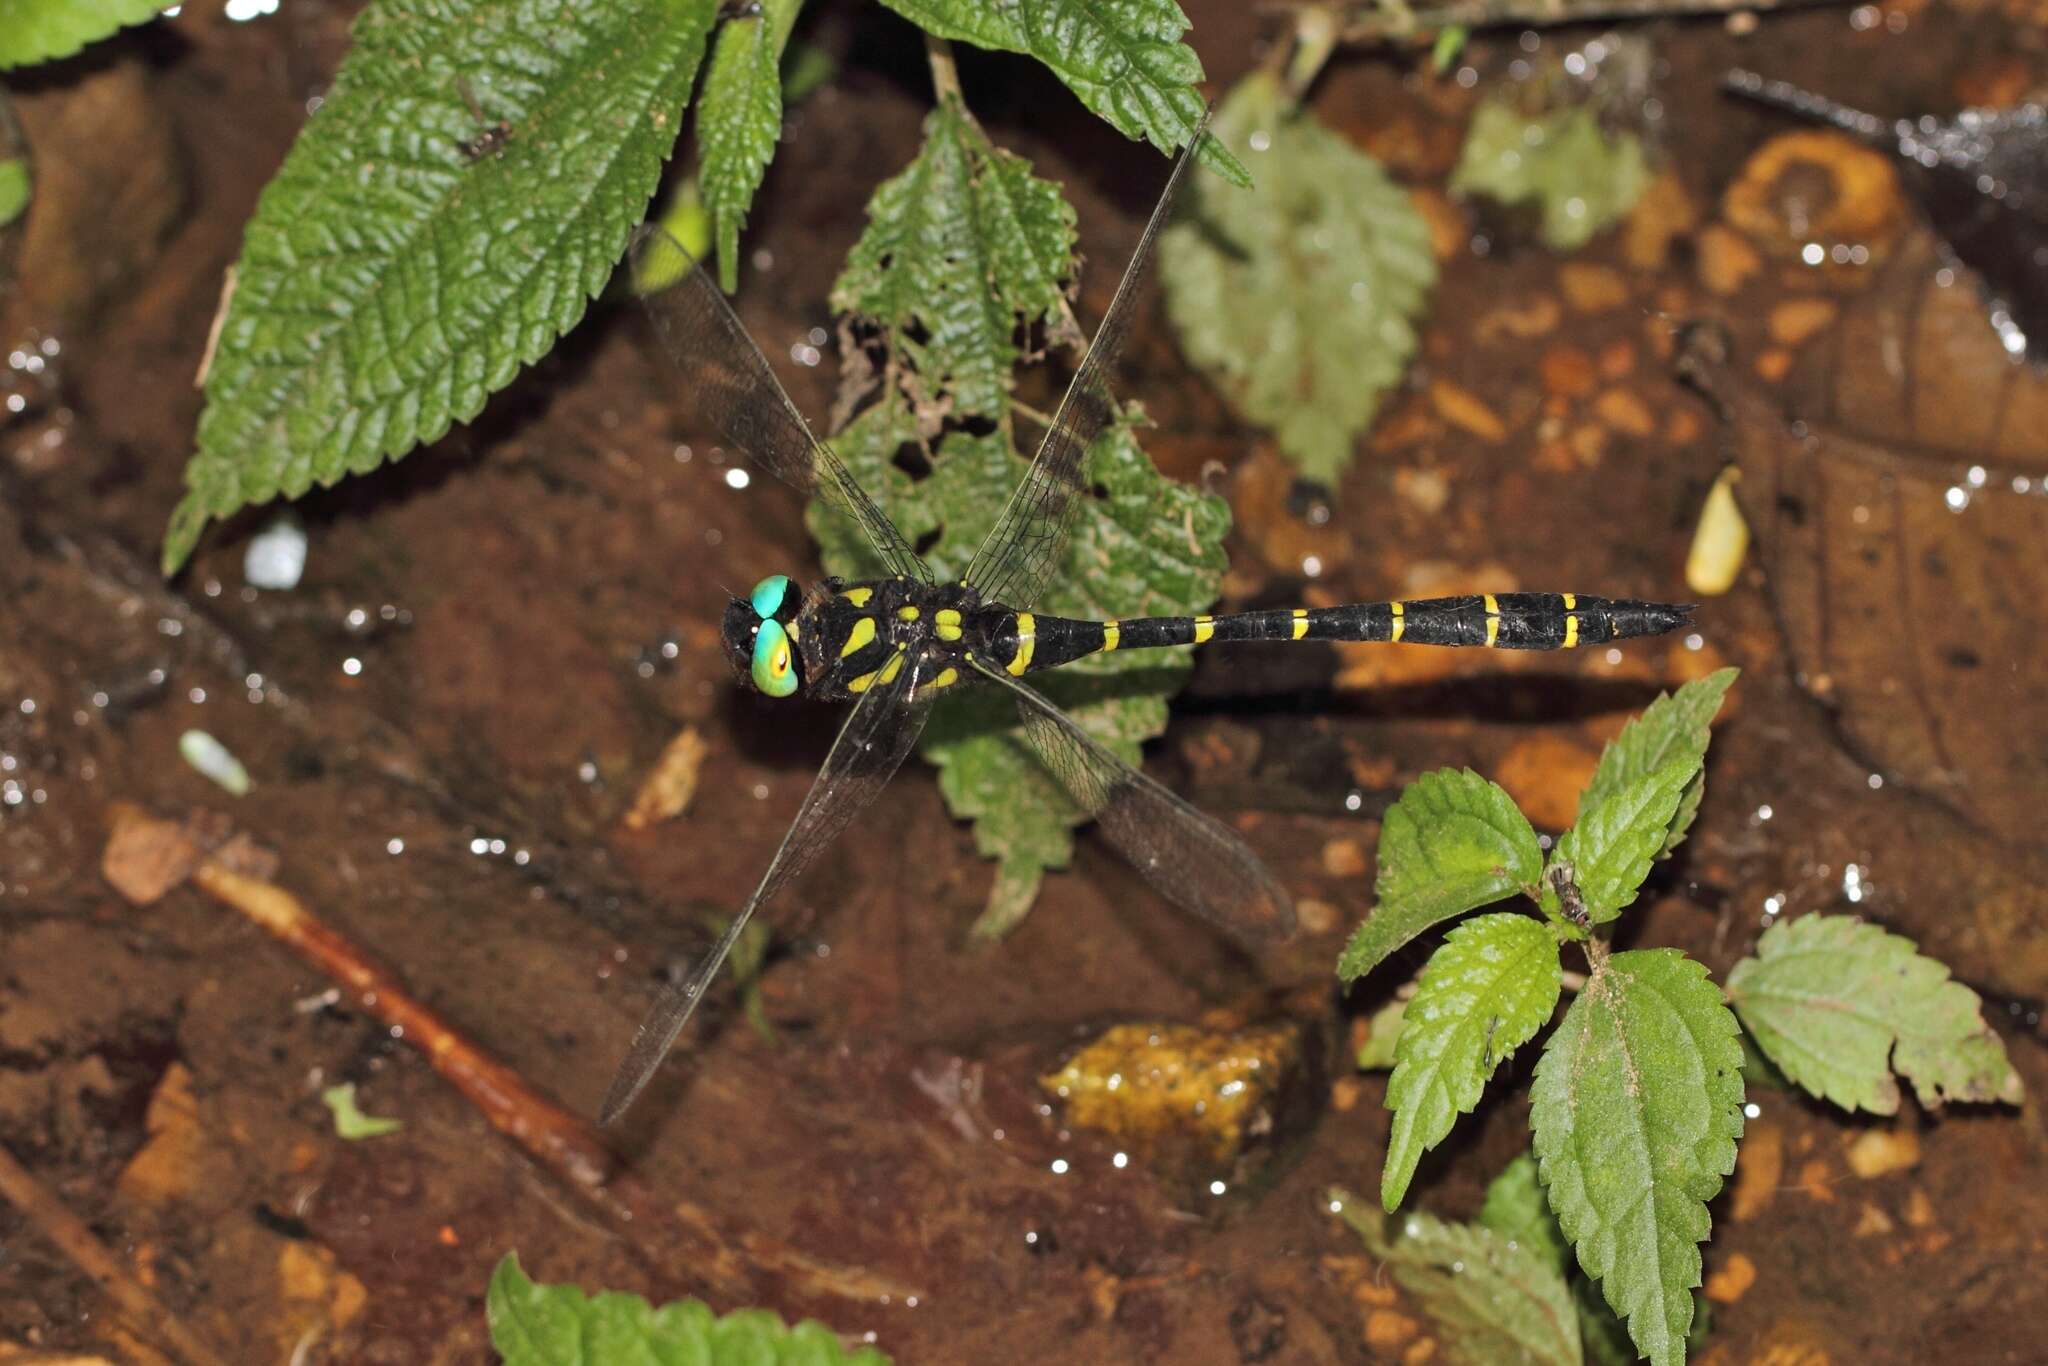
x,y
757,639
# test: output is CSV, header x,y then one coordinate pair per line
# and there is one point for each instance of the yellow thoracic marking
x,y
1571,629
1112,632
862,634
1399,624
893,667
1571,601
861,684
906,614
858,596
1492,620
1027,640
1204,628
947,620
1300,622
945,680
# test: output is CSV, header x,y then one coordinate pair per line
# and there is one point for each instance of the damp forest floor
x,y
495,640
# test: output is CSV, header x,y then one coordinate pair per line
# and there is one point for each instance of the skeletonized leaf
x,y
958,246
558,1325
1123,58
1616,839
739,119
1839,1004
1299,297
1672,727
1485,993
1454,841
394,277
1492,1301
34,31
1637,1106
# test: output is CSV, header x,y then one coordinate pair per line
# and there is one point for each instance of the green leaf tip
x,y
739,120
1299,299
1673,727
1579,179
34,31
1124,59
533,1324
349,1120
1453,842
1637,1104
394,275
14,189
1609,851
1839,1004
1487,990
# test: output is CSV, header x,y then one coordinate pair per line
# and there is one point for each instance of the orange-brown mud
x,y
495,641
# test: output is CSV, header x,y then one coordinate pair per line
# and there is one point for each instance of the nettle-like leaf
x,y
1637,1106
1840,1004
1384,1036
1491,1299
958,247
1453,842
558,1325
739,120
1610,850
1673,727
1518,1209
1577,178
1123,58
14,189
394,276
1485,993
1147,547
1299,298
33,31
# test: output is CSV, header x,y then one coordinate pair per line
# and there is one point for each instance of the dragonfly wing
x,y
1022,551
879,732
733,386
1198,862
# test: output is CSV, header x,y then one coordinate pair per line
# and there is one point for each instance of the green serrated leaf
x,y
1839,1003
14,189
1299,298
739,120
1383,1035
1637,1105
1454,841
1673,727
1492,1302
33,31
558,1325
1578,178
1517,1209
1123,58
1485,993
957,247
1610,850
349,1120
392,278
1147,547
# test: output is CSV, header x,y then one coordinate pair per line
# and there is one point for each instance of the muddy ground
x,y
447,720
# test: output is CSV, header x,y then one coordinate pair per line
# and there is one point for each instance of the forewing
x,y
730,382
1022,551
878,733
1195,860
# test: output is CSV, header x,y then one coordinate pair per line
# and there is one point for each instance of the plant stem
x,y
1375,23
1317,29
945,76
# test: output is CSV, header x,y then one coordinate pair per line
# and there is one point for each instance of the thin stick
x,y
142,1310
679,1241
1396,24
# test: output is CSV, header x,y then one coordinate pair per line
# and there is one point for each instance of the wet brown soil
x,y
494,641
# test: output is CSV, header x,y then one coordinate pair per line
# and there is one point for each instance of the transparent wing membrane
x,y
729,381
1022,551
1193,859
878,734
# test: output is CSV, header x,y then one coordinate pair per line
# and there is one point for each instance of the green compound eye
x,y
768,595
774,665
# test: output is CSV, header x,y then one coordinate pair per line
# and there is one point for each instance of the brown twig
x,y
1397,23
145,1314
681,1242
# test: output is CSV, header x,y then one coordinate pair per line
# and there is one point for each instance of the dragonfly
x,y
894,645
